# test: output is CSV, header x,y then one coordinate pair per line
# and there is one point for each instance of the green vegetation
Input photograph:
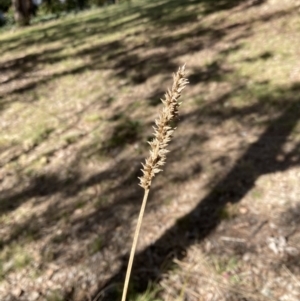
x,y
13,258
96,245
26,12
228,212
148,295
54,296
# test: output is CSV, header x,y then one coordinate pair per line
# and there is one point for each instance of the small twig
x,y
259,227
233,239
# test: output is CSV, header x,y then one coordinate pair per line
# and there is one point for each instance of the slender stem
x,y
135,240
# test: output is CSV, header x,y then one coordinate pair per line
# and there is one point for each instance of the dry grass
x,y
163,132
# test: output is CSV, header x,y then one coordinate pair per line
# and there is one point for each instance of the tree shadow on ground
x,y
262,157
121,56
259,159
127,60
124,132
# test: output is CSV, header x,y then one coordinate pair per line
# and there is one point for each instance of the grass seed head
x,y
163,129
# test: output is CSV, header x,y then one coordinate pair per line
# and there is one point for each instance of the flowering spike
x,y
163,129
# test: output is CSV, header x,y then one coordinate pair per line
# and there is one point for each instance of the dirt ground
x,y
78,98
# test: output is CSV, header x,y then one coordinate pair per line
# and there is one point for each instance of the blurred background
x,y
80,88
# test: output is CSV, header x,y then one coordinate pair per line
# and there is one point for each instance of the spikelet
x,y
163,129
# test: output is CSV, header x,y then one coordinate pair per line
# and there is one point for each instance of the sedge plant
x,y
163,131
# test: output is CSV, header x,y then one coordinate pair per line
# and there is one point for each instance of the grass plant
x,y
163,131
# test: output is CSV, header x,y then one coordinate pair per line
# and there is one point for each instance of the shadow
x,y
124,196
259,159
127,61
264,56
292,215
118,54
212,72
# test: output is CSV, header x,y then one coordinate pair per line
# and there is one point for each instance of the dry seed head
x,y
163,129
